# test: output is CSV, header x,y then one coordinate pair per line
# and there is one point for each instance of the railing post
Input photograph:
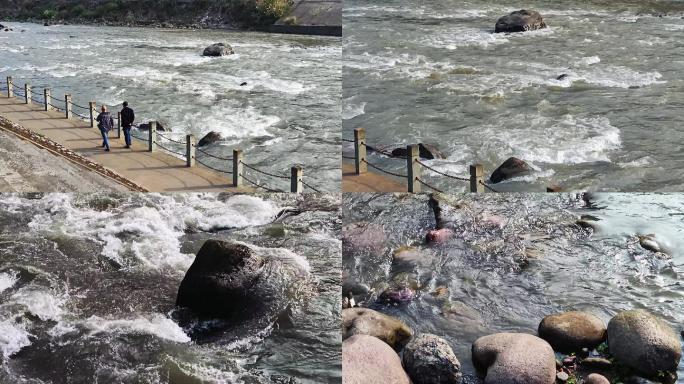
x,y
412,153
67,105
10,87
297,174
118,126
237,168
93,107
27,93
360,151
477,178
47,95
190,150
153,136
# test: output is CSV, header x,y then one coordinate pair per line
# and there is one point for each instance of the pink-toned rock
x,y
595,378
368,360
514,358
439,236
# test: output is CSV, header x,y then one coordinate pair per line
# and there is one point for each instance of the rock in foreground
x,y
520,21
426,151
571,331
367,360
429,359
514,358
644,342
364,321
209,138
513,167
237,282
218,49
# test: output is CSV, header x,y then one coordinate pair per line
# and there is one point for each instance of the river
x,y
516,258
287,114
88,285
435,72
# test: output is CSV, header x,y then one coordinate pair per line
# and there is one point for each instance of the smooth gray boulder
x,y
218,49
571,331
368,360
512,167
514,358
428,359
520,21
644,342
364,321
237,282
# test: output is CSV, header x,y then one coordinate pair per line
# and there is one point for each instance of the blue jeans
x,y
105,139
127,135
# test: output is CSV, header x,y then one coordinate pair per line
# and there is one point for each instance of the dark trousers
x,y
127,135
105,139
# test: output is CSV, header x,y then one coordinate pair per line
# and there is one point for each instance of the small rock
x,y
364,321
367,360
554,188
209,138
596,363
146,127
649,243
243,84
402,295
563,76
562,376
426,151
571,331
429,359
218,49
439,236
644,342
595,378
569,361
514,358
512,167
520,21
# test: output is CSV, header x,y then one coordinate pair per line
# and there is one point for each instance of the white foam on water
x,y
589,60
284,255
8,279
457,37
350,110
13,337
40,302
231,121
156,325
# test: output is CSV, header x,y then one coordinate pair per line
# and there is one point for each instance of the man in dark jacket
x,y
127,119
105,123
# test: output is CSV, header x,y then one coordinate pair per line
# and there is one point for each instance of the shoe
x,y
127,147
106,149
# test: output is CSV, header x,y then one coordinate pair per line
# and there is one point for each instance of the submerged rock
x,y
367,360
649,243
439,236
520,21
209,138
363,237
514,358
644,342
218,49
512,167
236,282
571,331
426,151
399,295
429,359
364,321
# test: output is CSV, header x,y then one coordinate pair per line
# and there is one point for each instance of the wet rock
x,y
368,360
595,378
514,358
571,331
554,188
354,288
513,167
426,151
649,243
402,295
585,224
520,21
146,127
439,236
644,342
218,49
363,237
429,359
598,363
562,376
209,138
563,76
236,282
364,321
244,83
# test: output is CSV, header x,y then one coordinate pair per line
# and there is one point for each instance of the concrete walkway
x,y
155,171
368,182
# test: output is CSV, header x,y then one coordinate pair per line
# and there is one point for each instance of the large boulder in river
x,y
520,21
513,167
426,151
644,342
218,49
237,282
209,138
514,358
429,359
364,321
571,331
367,360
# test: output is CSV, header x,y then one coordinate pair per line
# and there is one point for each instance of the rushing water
x,y
287,114
88,285
516,258
435,72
